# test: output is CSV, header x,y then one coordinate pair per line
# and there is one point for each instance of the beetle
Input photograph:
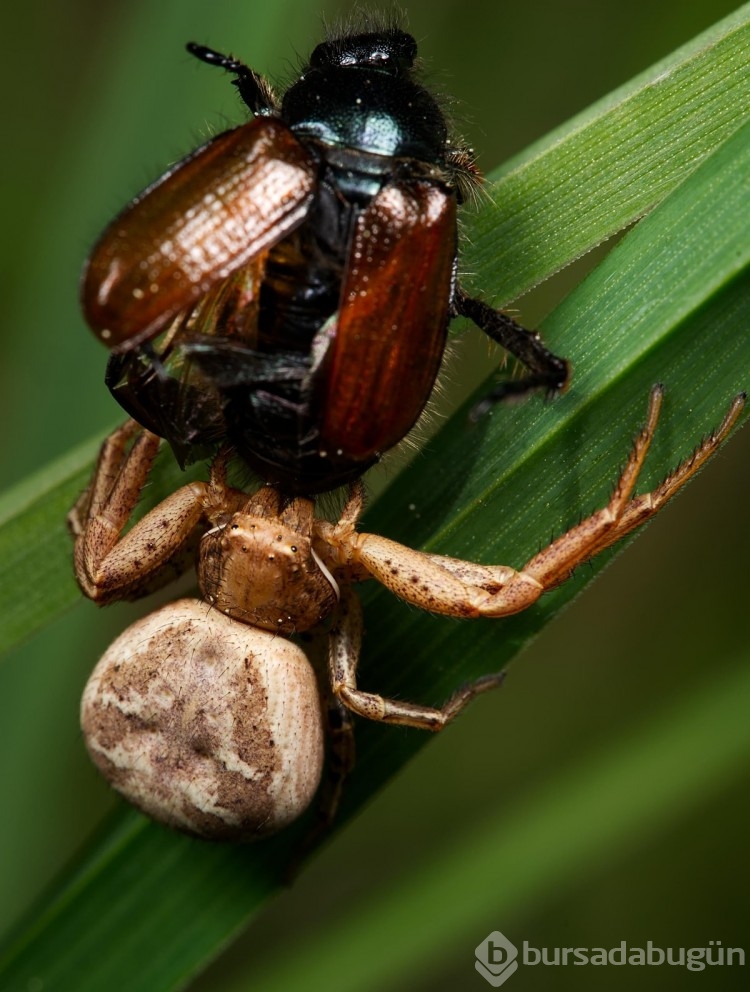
x,y
288,286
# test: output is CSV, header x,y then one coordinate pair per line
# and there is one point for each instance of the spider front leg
x,y
109,567
463,589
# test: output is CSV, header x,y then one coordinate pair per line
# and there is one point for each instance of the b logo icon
x,y
496,958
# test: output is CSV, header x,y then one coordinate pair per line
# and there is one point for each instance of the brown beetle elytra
x,y
288,287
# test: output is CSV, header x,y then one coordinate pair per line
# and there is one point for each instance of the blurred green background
x,y
86,126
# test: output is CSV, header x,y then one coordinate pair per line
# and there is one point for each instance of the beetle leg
x,y
255,90
345,643
545,370
463,589
109,566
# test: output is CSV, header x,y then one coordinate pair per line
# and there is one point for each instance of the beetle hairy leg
x,y
545,369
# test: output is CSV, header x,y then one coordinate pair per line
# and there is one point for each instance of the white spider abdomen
x,y
205,723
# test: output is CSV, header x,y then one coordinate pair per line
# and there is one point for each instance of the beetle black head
x,y
359,92
392,50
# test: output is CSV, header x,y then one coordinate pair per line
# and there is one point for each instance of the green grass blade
x,y
36,582
611,164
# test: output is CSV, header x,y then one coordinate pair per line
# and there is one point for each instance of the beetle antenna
x,y
254,89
